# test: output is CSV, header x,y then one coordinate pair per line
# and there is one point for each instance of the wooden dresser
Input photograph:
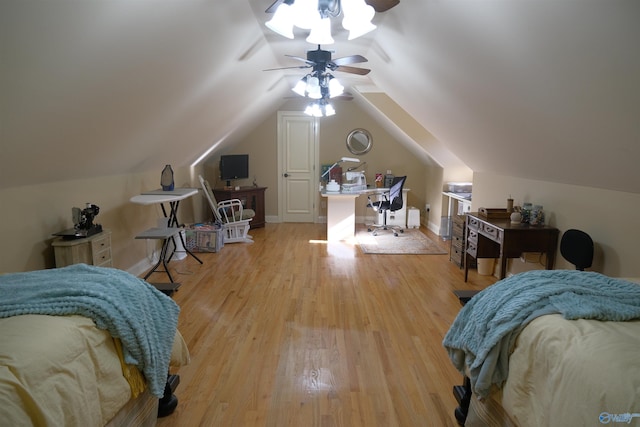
x,y
92,250
456,253
251,198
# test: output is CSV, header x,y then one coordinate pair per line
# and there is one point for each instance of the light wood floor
x,y
291,331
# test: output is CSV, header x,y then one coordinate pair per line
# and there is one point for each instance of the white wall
x,y
31,214
609,217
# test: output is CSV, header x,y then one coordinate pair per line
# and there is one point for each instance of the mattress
x,y
567,372
66,372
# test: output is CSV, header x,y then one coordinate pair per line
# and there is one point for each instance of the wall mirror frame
x,y
359,141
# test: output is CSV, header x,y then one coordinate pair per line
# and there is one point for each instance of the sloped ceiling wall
x,y
545,90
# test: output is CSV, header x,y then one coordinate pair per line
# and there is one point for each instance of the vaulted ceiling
x,y
540,89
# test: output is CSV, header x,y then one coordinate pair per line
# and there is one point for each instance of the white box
x,y
413,219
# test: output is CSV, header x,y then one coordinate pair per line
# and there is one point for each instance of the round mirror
x,y
359,141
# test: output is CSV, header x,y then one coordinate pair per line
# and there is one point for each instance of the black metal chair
x,y
391,202
576,246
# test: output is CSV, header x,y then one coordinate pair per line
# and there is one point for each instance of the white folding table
x,y
172,198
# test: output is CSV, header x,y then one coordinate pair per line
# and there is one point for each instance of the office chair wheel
x,y
395,233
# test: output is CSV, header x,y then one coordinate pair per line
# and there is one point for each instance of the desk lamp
x,y
344,159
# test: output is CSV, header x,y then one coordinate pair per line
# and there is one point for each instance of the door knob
x,y
286,175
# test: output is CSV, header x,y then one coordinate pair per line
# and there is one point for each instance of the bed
x,y
550,347
85,346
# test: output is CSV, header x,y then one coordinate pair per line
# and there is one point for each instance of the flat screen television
x,y
234,166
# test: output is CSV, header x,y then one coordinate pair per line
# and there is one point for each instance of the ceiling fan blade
x,y
341,98
382,5
346,60
335,98
287,68
354,70
274,6
298,58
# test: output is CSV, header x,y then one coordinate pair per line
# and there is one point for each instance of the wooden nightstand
x,y
92,250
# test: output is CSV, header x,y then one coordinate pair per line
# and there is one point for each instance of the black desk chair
x,y
576,246
391,201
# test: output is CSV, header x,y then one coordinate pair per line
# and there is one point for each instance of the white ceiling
x,y
541,89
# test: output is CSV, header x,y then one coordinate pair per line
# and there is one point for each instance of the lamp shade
x,y
313,88
357,18
305,13
328,110
321,32
282,21
301,87
335,87
315,15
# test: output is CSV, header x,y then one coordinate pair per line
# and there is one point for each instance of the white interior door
x,y
297,154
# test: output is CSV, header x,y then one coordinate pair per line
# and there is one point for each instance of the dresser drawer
x,y
473,223
457,242
102,258
472,236
457,229
472,249
459,219
490,231
456,257
101,243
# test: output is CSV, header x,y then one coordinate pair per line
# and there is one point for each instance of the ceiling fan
x,y
378,5
320,61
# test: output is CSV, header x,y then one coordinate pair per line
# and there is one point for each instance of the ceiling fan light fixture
x,y
301,87
329,110
321,32
315,15
313,110
314,92
320,108
305,14
282,21
357,18
335,87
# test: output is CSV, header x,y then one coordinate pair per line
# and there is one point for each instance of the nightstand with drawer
x,y
92,250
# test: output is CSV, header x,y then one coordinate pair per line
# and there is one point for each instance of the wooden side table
x,y
92,250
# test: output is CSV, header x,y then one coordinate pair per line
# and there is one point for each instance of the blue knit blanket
x,y
483,334
129,308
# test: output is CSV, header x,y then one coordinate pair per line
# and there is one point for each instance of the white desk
x,y
341,211
173,198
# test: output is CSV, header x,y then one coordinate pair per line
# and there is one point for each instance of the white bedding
x,y
572,372
62,371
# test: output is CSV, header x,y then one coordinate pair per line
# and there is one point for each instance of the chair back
x,y
208,192
576,246
395,193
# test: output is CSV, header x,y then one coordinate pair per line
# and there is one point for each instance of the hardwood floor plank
x,y
293,331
